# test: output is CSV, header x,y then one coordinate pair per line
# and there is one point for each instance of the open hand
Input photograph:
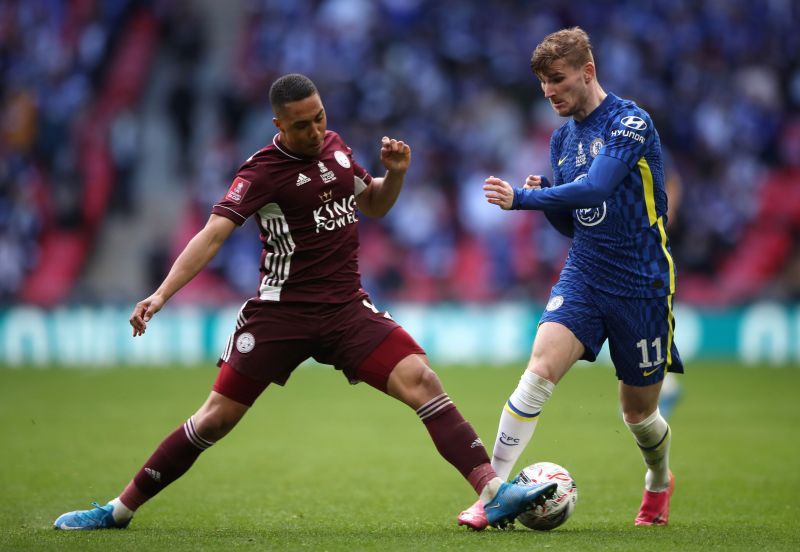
x,y
143,312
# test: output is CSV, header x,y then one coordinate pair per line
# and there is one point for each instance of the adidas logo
x,y
302,179
154,474
476,443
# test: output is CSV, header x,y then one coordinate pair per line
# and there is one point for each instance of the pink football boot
x,y
655,506
474,517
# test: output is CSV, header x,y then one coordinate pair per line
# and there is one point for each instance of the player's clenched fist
x,y
533,181
499,192
395,154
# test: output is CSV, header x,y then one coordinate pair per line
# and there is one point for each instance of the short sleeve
x,y
361,178
629,135
247,194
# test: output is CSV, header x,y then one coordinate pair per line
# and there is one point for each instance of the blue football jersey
x,y
620,246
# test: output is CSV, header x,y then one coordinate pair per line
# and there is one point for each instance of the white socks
x,y
653,436
518,421
121,512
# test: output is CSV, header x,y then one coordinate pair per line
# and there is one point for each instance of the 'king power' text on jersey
x,y
306,211
620,246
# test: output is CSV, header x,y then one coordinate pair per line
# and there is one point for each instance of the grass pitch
x,y
320,465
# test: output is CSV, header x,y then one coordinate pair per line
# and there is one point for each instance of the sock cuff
x,y
535,380
480,476
530,395
647,422
191,434
651,432
434,406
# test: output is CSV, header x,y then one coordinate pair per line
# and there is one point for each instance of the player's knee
x,y
214,421
413,382
544,368
428,381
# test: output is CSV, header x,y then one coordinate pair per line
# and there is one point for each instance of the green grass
x,y
320,465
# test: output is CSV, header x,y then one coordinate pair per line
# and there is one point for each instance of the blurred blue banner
x,y
460,334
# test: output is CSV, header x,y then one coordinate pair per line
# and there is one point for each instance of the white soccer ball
x,y
556,510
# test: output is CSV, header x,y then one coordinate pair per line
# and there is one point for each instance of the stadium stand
x,y
454,83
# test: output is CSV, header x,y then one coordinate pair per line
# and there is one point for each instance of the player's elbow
x,y
597,194
372,208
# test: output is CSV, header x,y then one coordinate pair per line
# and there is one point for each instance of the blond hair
x,y
572,45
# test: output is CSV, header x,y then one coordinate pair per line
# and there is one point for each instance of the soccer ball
x,y
556,510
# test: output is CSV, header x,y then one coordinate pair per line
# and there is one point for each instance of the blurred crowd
x,y
53,55
721,80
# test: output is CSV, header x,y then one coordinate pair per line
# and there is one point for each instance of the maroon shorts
x,y
271,339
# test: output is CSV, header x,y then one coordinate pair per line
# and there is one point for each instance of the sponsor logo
x,y
580,159
237,190
326,175
302,179
508,440
627,134
342,159
555,302
650,373
476,443
634,122
154,475
245,342
596,146
561,161
591,216
335,214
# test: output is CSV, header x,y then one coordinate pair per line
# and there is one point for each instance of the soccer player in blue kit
x,y
618,281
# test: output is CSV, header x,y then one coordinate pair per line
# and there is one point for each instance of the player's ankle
x,y
121,512
490,490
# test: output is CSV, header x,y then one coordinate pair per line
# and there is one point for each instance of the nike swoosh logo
x,y
650,373
561,161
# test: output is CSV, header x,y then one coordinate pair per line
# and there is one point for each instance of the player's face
x,y
566,87
302,125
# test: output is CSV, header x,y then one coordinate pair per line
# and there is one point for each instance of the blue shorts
x,y
639,330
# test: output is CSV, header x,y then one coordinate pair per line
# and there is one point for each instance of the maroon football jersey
x,y
306,210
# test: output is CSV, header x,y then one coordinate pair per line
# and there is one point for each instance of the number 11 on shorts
x,y
656,344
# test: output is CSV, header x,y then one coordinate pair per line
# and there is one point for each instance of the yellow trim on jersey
x,y
649,192
663,233
520,418
653,218
671,322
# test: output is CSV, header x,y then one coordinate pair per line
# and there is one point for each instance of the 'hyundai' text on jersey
x,y
620,246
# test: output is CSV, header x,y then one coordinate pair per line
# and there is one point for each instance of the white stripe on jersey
x,y
360,185
277,262
240,320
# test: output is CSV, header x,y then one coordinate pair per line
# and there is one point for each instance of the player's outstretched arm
x,y
194,257
381,193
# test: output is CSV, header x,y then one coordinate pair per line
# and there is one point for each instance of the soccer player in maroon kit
x,y
304,189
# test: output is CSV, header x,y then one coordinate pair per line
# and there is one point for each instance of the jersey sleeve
x,y
560,219
248,192
629,135
555,155
361,177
